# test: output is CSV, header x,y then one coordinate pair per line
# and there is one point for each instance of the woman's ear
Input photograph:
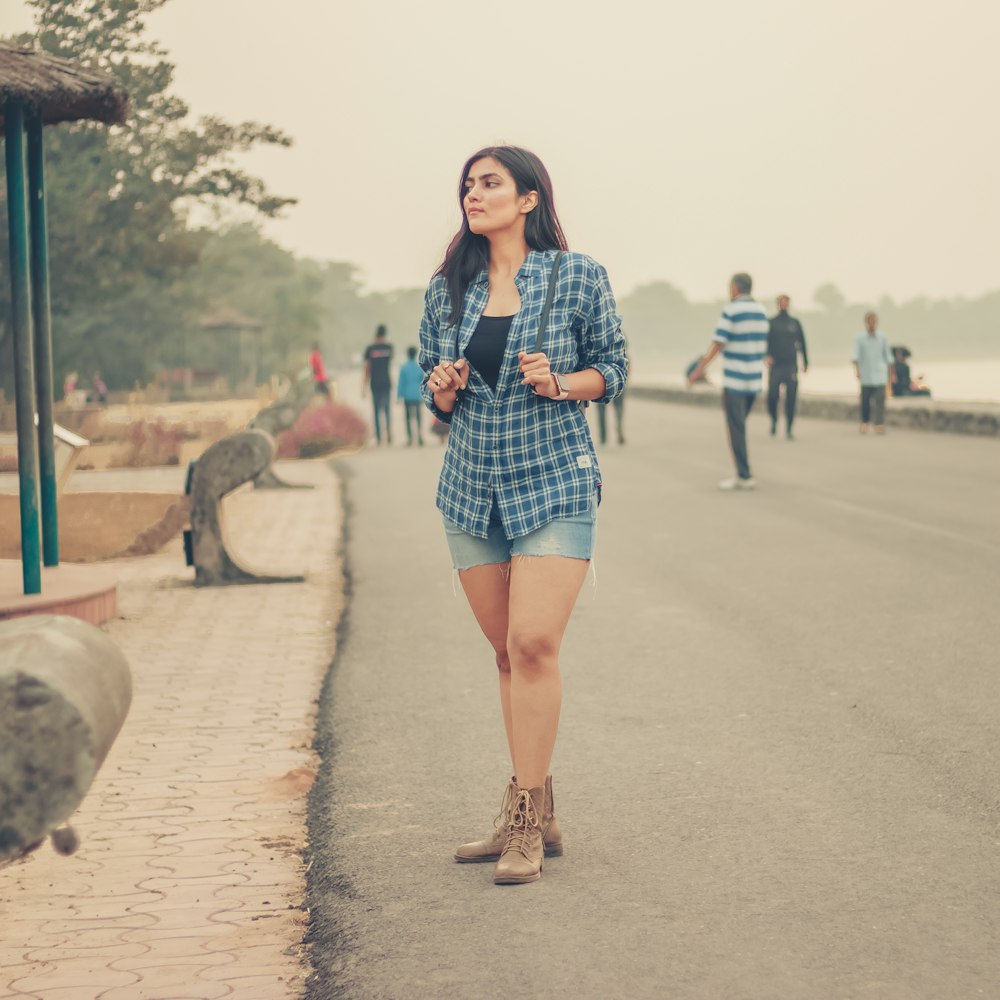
x,y
529,202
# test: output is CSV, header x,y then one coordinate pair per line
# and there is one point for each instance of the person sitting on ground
x,y
903,384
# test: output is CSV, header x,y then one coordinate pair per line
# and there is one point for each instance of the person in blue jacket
x,y
519,485
411,378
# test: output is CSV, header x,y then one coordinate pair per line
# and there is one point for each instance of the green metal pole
x,y
42,317
24,380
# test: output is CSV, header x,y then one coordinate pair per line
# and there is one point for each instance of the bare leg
x,y
488,590
543,591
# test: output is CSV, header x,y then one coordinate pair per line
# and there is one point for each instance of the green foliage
x,y
350,317
119,199
297,302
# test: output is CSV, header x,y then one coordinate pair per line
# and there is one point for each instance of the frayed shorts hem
x,y
570,537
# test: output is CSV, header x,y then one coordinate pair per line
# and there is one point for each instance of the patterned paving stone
x,y
189,881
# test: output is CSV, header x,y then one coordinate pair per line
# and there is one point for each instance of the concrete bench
x,y
65,689
226,465
69,448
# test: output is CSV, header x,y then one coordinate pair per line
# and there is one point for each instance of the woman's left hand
x,y
537,374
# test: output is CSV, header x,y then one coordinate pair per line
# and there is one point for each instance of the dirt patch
x,y
295,783
96,526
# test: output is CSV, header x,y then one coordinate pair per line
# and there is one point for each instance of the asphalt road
x,y
777,771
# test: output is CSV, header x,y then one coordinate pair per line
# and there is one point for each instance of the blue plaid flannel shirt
x,y
533,455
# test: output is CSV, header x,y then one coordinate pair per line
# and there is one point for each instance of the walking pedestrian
x,y
520,484
785,340
378,357
321,380
100,393
741,338
411,380
872,359
618,405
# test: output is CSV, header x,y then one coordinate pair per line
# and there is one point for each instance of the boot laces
x,y
523,826
500,820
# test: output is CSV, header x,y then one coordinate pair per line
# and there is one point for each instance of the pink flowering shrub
x,y
152,443
321,430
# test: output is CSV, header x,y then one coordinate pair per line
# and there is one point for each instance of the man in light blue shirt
x,y
872,361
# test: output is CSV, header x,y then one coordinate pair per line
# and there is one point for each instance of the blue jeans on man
x,y
737,406
381,398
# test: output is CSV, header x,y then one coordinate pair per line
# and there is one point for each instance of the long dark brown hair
x,y
468,253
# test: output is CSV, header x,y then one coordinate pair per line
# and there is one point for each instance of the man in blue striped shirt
x,y
741,338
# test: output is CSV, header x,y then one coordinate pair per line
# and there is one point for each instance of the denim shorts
x,y
571,537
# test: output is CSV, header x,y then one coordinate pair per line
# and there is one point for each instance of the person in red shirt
x,y
320,376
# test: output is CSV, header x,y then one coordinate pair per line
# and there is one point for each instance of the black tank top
x,y
487,346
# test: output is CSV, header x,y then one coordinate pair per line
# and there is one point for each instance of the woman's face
x,y
491,201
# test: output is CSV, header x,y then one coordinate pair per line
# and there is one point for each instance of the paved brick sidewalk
x,y
189,882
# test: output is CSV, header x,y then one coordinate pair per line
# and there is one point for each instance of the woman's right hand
x,y
445,381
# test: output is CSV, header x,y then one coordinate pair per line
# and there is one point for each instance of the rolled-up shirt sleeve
x,y
603,346
430,341
723,330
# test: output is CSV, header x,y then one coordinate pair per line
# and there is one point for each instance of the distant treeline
x,y
663,326
148,323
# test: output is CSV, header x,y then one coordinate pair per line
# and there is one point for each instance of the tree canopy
x,y
120,199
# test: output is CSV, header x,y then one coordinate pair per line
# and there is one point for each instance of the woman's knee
x,y
532,650
503,657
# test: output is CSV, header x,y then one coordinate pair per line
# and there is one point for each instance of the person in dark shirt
x,y
903,383
378,357
900,374
784,341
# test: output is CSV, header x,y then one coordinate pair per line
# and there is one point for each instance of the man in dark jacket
x,y
378,358
784,341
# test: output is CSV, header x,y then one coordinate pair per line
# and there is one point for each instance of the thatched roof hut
x,y
60,89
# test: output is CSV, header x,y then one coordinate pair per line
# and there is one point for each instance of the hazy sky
x,y
853,141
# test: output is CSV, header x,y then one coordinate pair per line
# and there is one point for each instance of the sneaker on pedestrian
x,y
738,484
774,427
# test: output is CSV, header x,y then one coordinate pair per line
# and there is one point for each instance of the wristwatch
x,y
563,384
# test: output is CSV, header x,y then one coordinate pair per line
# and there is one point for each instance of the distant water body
x,y
950,381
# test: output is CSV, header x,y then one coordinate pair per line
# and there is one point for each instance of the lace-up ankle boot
x,y
523,852
490,848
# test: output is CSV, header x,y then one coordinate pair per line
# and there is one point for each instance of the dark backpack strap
x,y
547,308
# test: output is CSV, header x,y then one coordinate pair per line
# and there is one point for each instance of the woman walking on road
x,y
520,484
